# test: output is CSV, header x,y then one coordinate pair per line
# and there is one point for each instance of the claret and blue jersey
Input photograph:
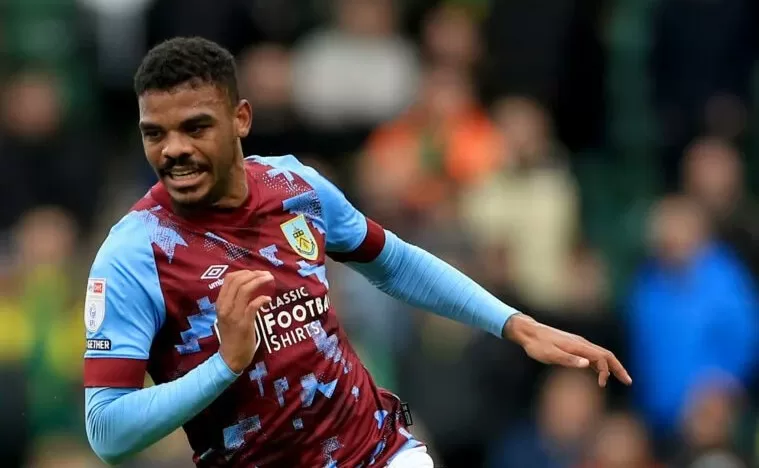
x,y
306,399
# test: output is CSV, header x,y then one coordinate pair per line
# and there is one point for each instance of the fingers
x,y
608,364
619,370
248,288
237,292
603,360
602,367
232,284
257,303
566,359
229,287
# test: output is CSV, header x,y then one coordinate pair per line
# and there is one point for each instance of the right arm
x,y
123,421
124,311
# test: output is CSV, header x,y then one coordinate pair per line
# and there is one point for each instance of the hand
x,y
551,346
236,313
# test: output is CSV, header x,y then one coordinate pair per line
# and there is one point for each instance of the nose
x,y
176,146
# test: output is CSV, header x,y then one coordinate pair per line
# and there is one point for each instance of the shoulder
x,y
125,275
126,255
128,235
309,193
287,166
297,179
726,266
723,254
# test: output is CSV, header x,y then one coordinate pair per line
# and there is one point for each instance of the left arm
x,y
421,279
418,278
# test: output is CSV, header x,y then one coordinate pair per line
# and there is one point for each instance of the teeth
x,y
183,174
188,175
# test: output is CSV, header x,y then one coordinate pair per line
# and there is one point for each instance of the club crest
x,y
300,237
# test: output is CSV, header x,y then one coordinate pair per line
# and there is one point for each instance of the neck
x,y
237,190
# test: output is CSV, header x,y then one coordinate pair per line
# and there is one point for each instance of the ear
x,y
243,118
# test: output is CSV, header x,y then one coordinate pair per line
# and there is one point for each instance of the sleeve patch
x,y
94,308
98,345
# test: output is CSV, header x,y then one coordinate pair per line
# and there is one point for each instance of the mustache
x,y
187,164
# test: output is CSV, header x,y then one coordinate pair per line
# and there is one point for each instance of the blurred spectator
x,y
45,160
45,246
693,312
621,442
43,327
570,408
708,425
703,54
266,81
588,290
356,72
113,21
445,141
529,209
552,51
451,37
55,36
714,176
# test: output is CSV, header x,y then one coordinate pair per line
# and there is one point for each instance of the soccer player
x,y
215,284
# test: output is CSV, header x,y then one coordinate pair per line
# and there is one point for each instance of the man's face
x,y
190,135
677,229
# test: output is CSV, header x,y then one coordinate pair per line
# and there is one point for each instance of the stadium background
x,y
550,149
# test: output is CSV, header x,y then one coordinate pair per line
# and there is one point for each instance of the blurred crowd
x,y
591,162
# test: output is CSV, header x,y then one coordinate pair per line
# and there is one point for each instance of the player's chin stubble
x,y
198,197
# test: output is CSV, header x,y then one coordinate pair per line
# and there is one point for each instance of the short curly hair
x,y
187,60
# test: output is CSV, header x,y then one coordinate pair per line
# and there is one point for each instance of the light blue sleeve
x,y
124,311
122,422
417,277
401,270
124,303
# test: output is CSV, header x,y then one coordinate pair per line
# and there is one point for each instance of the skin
x,y
196,127
552,346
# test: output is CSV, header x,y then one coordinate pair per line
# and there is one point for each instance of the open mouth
x,y
184,174
183,178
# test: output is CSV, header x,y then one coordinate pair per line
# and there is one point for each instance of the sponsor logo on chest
x,y
291,318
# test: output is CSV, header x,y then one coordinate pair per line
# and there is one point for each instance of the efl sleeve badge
x,y
94,304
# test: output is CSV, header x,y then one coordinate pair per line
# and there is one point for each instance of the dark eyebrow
x,y
200,119
147,126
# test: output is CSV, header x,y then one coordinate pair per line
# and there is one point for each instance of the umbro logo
x,y
214,272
